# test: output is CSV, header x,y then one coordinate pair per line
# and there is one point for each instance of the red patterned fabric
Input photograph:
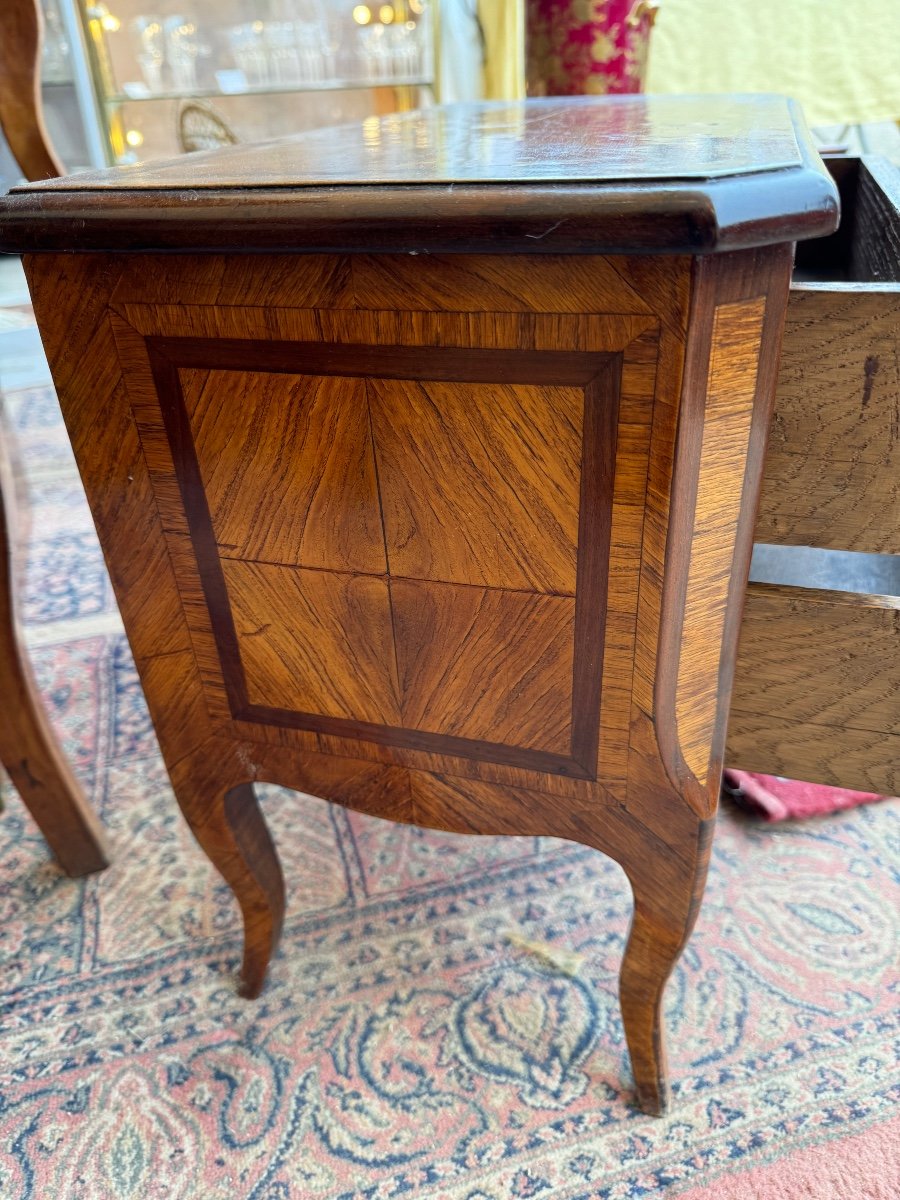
x,y
776,799
593,47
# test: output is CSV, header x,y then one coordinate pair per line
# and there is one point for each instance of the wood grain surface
x,y
875,243
372,282
491,283
486,664
287,467
315,641
535,329
860,759
480,483
504,439
817,686
832,476
730,392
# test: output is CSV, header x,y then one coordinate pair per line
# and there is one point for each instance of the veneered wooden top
x,y
627,173
557,140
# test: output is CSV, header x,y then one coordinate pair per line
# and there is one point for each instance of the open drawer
x,y
817,687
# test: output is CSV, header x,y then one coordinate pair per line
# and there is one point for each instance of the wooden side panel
x,y
486,664
230,310
875,244
817,688
564,284
150,293
832,476
518,477
263,281
731,387
314,641
287,467
726,404
450,283
480,482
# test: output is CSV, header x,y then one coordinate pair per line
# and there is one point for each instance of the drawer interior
x,y
866,246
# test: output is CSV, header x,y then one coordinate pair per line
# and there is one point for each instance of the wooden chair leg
x,y
228,824
28,748
664,915
21,109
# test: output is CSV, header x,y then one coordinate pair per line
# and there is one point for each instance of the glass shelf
x,y
273,89
320,63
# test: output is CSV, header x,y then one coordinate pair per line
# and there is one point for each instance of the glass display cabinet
x,y
175,75
66,90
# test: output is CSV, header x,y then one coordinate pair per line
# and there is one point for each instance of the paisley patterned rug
x,y
411,1042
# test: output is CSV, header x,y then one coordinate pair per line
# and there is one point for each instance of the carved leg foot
x,y
262,905
230,828
664,914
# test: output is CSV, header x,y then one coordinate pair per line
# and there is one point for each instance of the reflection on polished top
x,y
568,175
566,140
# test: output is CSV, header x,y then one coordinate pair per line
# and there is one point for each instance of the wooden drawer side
x,y
817,686
832,476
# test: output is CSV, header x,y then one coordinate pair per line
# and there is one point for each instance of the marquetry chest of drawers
x,y
425,456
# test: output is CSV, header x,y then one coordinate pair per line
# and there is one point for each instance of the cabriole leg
x,y
228,824
664,915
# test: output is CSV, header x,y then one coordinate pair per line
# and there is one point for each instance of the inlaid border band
x,y
597,372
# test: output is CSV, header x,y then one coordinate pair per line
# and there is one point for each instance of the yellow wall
x,y
839,58
503,22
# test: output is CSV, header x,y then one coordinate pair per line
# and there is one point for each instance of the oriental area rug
x,y
441,1020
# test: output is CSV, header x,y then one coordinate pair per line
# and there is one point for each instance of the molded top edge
x,y
627,173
